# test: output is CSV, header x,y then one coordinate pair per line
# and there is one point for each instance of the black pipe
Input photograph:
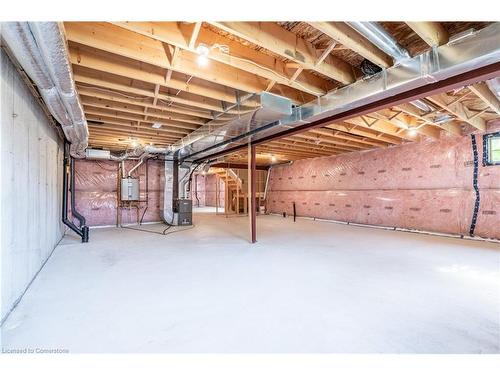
x,y
83,232
191,176
196,192
475,173
294,212
74,211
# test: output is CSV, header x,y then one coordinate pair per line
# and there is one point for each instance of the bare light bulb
x,y
202,50
273,159
412,132
202,60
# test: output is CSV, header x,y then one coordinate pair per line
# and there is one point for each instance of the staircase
x,y
236,190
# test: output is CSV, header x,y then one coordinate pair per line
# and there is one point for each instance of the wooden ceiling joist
x,y
126,124
309,143
135,109
315,138
382,126
426,130
327,134
148,50
458,109
98,129
129,117
347,36
208,97
112,92
450,127
367,133
483,92
239,56
433,33
274,38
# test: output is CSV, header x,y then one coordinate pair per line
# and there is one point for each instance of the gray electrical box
x,y
130,189
184,211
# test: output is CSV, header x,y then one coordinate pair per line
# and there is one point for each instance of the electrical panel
x,y
130,189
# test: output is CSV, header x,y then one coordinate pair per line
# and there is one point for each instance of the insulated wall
x,y
207,190
97,192
31,186
424,186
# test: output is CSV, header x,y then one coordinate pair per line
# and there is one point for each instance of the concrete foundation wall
x,y
425,186
31,186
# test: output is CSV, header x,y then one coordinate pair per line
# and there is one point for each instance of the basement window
x,y
491,149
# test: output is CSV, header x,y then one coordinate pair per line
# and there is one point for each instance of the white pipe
x,y
138,164
399,229
267,182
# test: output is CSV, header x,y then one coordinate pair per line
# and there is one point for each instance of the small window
x,y
491,145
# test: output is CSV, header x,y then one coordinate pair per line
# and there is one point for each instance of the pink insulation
x,y
207,190
424,186
97,189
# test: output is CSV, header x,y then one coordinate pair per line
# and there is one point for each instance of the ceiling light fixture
x,y
202,50
412,132
156,125
273,159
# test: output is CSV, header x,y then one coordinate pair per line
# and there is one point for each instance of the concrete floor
x,y
304,287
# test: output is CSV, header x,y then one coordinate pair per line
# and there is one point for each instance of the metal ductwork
x,y
376,34
257,112
473,52
41,50
494,86
139,151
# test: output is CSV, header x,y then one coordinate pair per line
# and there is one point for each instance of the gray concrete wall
x,y
31,186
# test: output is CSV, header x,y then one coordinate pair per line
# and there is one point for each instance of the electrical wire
x,y
224,49
162,233
187,82
143,97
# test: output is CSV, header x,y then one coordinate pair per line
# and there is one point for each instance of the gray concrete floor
x,y
304,287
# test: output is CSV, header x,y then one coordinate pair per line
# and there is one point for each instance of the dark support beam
x,y
251,200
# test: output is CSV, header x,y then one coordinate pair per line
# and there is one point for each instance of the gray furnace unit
x,y
184,211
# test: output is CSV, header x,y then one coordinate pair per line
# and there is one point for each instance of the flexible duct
x,y
494,86
40,48
376,34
